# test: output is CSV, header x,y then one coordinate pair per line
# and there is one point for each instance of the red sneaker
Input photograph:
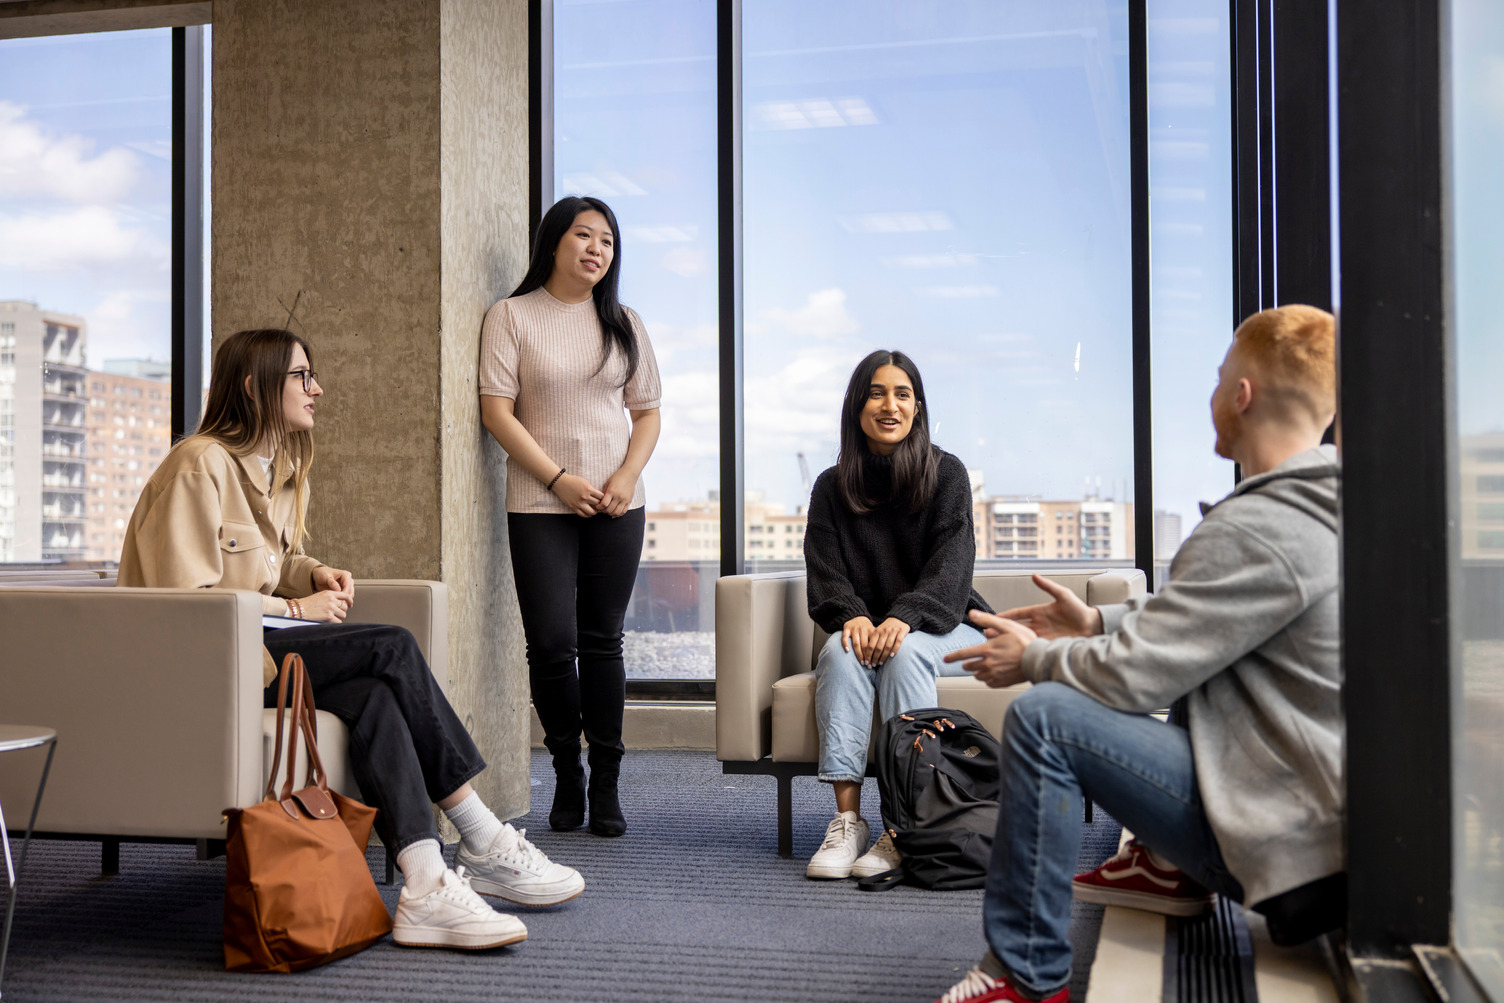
x,y
1134,879
979,987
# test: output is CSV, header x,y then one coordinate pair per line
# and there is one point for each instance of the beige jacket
x,y
207,519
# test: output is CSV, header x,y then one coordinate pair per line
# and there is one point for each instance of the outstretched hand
x,y
998,660
1067,616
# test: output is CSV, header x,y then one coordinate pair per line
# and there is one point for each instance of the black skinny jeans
x,y
408,748
574,580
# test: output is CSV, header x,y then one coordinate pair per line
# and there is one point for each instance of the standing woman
x,y
888,560
561,361
226,509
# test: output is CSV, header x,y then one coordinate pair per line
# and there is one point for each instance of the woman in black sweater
x,y
889,554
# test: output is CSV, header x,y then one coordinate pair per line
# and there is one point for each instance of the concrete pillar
x,y
370,163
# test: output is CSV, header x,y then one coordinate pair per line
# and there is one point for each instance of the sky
x,y
948,180
86,182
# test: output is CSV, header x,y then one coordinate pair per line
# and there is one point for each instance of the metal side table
x,y
14,738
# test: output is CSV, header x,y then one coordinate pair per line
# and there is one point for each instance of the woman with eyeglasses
x,y
570,389
888,559
227,509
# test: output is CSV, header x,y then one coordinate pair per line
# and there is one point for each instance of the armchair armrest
x,y
156,698
1115,586
762,632
420,606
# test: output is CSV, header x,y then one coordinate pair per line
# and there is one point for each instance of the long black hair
x,y
616,327
916,466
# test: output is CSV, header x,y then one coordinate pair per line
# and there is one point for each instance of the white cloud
x,y
687,261
130,324
957,292
89,236
664,233
823,315
931,261
797,407
897,222
602,184
36,162
691,416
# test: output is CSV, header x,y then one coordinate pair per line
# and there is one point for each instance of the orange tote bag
x,y
298,892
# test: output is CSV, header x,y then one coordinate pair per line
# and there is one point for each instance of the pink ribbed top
x,y
542,353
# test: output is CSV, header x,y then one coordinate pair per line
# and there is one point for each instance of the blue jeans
x,y
844,691
1058,744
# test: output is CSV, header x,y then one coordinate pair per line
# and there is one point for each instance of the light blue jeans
x,y
844,691
1058,744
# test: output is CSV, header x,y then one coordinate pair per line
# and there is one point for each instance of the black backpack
x,y
937,771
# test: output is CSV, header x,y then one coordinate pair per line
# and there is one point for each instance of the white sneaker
x,y
883,856
516,870
452,915
844,839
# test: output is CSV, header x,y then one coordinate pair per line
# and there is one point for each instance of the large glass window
x,y
951,180
1190,197
1476,222
635,124
85,287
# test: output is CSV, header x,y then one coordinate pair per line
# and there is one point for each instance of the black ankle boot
x,y
605,810
568,811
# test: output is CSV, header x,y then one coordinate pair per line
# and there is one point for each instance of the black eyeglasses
x,y
307,376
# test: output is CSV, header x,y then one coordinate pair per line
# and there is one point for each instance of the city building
x,y
1481,490
691,531
1092,529
129,432
1166,534
42,433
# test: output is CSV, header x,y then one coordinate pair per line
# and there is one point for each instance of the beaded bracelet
x,y
555,480
294,609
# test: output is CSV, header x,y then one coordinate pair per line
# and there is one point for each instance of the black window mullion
x,y
729,188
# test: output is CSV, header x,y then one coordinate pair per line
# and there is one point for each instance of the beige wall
x,y
371,156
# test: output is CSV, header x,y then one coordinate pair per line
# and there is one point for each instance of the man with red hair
x,y
1247,800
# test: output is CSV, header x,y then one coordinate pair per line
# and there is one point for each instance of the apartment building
x,y
691,531
42,433
1481,477
1092,529
129,428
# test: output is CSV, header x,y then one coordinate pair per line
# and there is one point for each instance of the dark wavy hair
x,y
616,328
916,465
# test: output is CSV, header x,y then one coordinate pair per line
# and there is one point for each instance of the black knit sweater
x,y
889,562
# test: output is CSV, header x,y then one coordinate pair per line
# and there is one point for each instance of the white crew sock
x,y
422,865
477,824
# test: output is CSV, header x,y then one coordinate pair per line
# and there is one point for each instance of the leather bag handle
x,y
296,683
282,681
317,777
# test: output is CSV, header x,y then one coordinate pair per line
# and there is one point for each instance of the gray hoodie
x,y
1247,626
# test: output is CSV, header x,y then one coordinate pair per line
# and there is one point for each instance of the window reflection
x,y
950,180
1477,227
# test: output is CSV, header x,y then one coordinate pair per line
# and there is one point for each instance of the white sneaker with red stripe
x,y
1136,878
979,987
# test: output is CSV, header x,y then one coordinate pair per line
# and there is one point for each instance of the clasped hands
x,y
585,501
333,595
873,645
998,660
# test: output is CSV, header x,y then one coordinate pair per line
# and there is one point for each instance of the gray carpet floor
x,y
693,904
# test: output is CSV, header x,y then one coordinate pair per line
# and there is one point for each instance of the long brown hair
x,y
241,421
916,466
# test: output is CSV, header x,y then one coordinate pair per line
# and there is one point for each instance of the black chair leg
x,y
391,866
785,815
109,858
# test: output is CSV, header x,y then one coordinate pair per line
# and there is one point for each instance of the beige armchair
x,y
156,697
765,652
